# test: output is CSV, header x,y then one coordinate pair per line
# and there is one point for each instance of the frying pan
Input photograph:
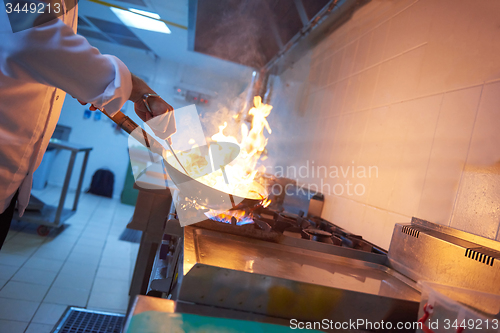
x,y
189,187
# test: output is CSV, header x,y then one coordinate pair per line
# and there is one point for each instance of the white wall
x,y
110,146
413,88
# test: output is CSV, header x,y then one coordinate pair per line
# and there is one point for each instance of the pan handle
x,y
129,126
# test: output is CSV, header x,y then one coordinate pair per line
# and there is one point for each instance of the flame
x,y
241,216
266,203
237,177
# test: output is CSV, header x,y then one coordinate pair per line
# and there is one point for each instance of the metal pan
x,y
189,187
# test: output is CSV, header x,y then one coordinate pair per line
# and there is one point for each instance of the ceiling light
x,y
143,12
136,20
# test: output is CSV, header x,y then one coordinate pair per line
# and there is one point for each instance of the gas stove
x,y
286,218
284,263
311,228
295,230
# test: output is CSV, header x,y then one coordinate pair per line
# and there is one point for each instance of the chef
x,y
41,59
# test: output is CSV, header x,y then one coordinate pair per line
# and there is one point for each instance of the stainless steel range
x,y
278,267
283,264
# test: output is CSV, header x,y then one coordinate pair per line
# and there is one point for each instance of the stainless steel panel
x,y
163,270
431,255
491,243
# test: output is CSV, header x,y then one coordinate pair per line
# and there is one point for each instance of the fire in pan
x,y
210,190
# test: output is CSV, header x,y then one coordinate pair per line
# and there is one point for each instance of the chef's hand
x,y
91,107
161,118
140,88
157,105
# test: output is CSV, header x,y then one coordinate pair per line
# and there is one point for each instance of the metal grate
x,y
77,320
118,33
478,256
410,231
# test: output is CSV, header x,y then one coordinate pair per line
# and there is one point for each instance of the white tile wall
x,y
478,203
410,176
411,87
448,154
409,28
377,44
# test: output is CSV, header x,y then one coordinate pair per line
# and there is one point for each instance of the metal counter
x,y
426,251
276,280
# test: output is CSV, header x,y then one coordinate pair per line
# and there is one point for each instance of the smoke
x,y
238,34
227,111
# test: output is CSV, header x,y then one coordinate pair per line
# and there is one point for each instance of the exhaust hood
x,y
263,33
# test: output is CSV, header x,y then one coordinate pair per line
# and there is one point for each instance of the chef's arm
x,y
140,92
53,54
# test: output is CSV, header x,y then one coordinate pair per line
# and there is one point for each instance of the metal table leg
x,y
51,216
65,187
80,181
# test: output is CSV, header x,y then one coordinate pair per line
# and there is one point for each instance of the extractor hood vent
x,y
256,32
110,32
478,256
83,23
87,33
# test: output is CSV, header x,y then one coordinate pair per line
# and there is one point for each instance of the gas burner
x,y
272,224
317,235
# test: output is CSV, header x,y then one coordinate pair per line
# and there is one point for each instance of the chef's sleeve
x,y
53,54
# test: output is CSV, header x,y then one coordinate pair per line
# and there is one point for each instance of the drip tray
x,y
78,320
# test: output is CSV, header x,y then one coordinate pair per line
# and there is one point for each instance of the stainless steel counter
x,y
276,280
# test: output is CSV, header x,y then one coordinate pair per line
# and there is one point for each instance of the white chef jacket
x,y
37,67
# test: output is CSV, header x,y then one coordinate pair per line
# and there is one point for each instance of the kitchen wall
x,y
110,148
407,95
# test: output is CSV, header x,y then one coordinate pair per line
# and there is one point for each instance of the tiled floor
x,y
83,264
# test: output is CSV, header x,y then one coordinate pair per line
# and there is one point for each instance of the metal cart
x,y
51,216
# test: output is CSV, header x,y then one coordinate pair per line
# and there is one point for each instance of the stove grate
x,y
77,320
